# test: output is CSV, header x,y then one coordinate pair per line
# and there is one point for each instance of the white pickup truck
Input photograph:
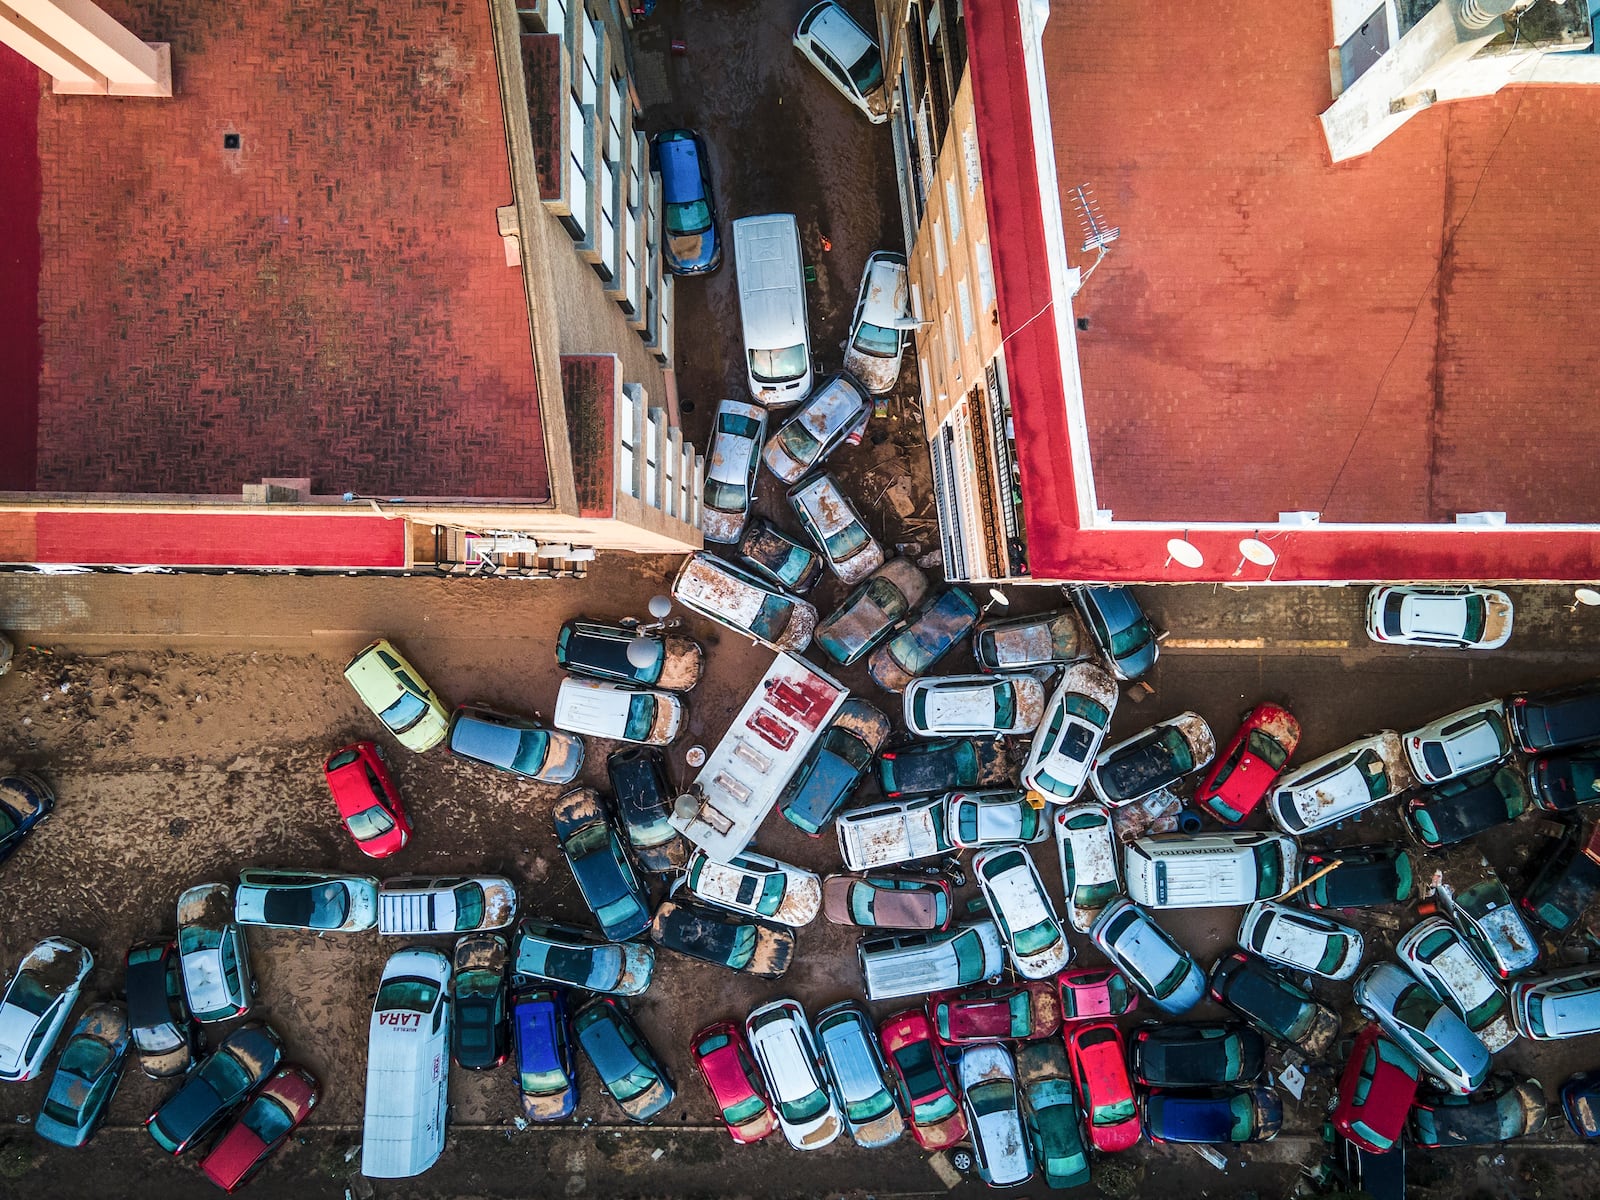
x,y
445,904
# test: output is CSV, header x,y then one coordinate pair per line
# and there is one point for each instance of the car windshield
x,y
407,995
1474,617
1115,1112
923,1080
848,540
1130,639
84,1057
27,994
867,71
877,341
990,1097
641,716
744,1110
806,1107
919,646
796,439
403,713
778,366
743,947
369,823
726,497
8,823
1268,749
1415,1007
1036,938
791,565
194,938
269,1119
693,216
1373,773
469,906
773,619
1269,869
531,748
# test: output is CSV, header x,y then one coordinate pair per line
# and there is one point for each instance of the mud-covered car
x,y
1282,1010
87,1075
922,1078
1006,1012
688,203
1436,953
1580,1101
1562,1004
1564,887
602,709
216,959
1472,896
886,902
1365,877
785,1048
834,525
744,602
1118,626
1300,940
1456,618
1184,1056
1010,883
868,614
1423,1026
1341,784
837,408
517,745
25,801
397,694
217,1087
921,640
1051,1112
978,819
757,886
847,57
1090,992
592,849
1509,1106
315,901
848,1046
369,804
724,939
1466,806
1249,764
833,767
411,904
601,651
1152,759
1045,639
628,1067
730,483
274,1112
1074,724
1100,1069
644,800
779,558
993,1105
944,765
1086,848
1376,1088
478,1038
547,1074
953,705
1563,782
876,341
1163,971
735,1082
166,1037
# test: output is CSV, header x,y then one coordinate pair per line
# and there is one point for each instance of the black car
x,y
479,1039
219,1085
594,852
1507,1107
1367,876
1378,1176
601,651
727,939
926,768
833,766
164,1034
1157,758
1555,720
25,800
1466,806
1566,884
1563,782
1118,626
644,799
1268,1000
1580,1100
777,557
1196,1055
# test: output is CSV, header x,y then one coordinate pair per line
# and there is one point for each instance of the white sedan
x,y
873,350
1301,940
783,1045
955,705
1436,953
1028,924
1463,741
976,819
1339,785
1074,724
37,1003
1459,618
1087,848
755,884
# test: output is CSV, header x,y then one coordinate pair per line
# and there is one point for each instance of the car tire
x,y
961,1159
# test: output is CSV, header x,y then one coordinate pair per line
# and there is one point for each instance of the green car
x,y
1050,1112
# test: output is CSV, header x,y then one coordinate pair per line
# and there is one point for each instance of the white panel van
x,y
408,1067
772,308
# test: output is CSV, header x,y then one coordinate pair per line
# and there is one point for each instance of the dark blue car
x,y
221,1083
545,1067
691,246
1219,1116
25,800
1119,628
628,1068
594,852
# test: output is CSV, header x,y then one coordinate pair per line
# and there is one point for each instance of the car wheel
x,y
961,1160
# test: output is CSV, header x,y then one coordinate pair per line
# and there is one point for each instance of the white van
x,y
732,596
893,831
915,963
772,308
599,708
408,1067
1210,869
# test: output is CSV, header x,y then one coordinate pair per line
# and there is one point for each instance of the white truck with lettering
x,y
408,1067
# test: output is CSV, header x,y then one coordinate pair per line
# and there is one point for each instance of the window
x,y
985,276
916,307
969,154
940,257
952,204
628,438
964,298
652,456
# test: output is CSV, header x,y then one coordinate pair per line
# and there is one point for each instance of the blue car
x,y
1119,628
545,1068
628,1068
691,246
25,800
86,1077
593,851
1218,1116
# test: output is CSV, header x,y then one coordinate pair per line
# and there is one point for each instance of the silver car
x,y
1421,1024
833,524
876,342
731,468
993,1107
213,953
1472,896
315,901
1086,846
1436,953
831,414
859,1076
1147,955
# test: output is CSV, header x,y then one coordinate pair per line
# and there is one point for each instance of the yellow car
x,y
391,687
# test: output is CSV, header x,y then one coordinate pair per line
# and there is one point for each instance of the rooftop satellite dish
x,y
1258,552
1585,596
996,596
642,652
660,606
1185,553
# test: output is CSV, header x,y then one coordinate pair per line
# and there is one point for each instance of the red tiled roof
x,y
1376,367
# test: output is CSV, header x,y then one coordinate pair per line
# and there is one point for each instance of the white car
x,y
1074,724
1304,941
952,705
831,521
37,1003
731,467
993,1108
1419,1023
316,901
1017,900
873,350
1152,759
445,903
610,710
781,1040
977,819
1562,1004
214,954
1143,951
1460,618
1350,780
755,884
1086,846
1461,742
846,56
1436,953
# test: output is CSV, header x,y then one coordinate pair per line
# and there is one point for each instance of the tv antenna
x,y
1097,235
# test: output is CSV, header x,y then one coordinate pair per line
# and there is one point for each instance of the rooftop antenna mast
x,y
1097,235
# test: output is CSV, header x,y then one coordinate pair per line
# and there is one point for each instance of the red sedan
x,y
285,1100
1375,1092
1010,1012
922,1078
724,1060
369,803
1100,1069
1246,769
1089,992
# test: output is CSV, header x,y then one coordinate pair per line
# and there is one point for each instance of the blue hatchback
x,y
1217,1116
545,1067
691,246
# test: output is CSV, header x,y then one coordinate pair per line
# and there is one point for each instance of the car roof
x,y
841,35
485,740
679,158
886,288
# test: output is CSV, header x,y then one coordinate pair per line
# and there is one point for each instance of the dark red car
x,y
1376,1092
1105,1091
1009,1012
1242,774
1089,992
285,1100
724,1060
922,1077
369,803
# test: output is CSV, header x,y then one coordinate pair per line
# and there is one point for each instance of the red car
x,y
1088,992
1100,1069
1375,1092
1010,1012
724,1060
1241,775
922,1078
369,803
284,1100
